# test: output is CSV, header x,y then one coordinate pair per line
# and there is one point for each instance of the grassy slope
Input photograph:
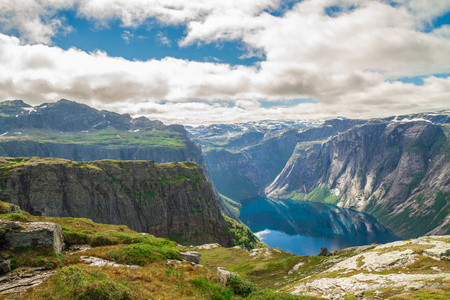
x,y
108,138
267,269
156,279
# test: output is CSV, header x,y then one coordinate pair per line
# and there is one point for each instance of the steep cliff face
x,y
70,130
173,200
398,172
241,171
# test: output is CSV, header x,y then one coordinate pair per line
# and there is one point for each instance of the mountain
x,y
74,131
167,200
244,163
67,129
396,169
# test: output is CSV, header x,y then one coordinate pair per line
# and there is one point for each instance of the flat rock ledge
x,y
191,256
16,282
33,234
100,262
337,288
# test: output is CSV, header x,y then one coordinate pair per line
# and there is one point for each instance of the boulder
x,y
191,256
224,275
36,235
323,252
5,265
441,250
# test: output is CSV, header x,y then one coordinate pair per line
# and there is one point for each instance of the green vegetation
x,y
110,139
322,194
241,235
231,205
423,222
80,283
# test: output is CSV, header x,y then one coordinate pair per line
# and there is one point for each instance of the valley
x,y
395,169
260,199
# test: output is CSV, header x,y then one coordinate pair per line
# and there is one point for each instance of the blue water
x,y
303,228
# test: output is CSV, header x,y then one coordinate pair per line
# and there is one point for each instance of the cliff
x,y
397,172
74,131
173,200
241,171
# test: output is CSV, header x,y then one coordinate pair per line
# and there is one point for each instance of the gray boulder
x,y
36,235
5,265
191,256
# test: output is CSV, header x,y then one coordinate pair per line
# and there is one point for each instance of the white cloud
x,y
347,62
163,40
34,20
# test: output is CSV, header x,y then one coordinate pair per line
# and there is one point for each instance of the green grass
x,y
241,235
141,254
232,206
77,283
111,139
322,194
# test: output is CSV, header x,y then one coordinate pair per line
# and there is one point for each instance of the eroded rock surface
x,y
36,234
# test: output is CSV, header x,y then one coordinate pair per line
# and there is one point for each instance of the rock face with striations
x,y
173,199
70,130
395,171
36,235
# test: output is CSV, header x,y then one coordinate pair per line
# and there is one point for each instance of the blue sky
x,y
207,61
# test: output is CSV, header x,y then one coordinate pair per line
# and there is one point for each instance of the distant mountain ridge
x,y
70,130
396,168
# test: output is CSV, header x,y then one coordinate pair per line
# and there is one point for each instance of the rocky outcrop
x,y
173,200
244,172
191,256
396,171
36,235
5,265
74,131
224,275
396,266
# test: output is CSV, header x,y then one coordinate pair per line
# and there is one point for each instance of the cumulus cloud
x,y
349,61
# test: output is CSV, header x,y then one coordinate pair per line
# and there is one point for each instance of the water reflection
x,y
304,227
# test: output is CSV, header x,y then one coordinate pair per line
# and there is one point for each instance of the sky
x,y
213,61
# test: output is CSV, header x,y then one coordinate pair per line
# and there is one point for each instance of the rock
x,y
209,246
224,275
5,266
191,256
172,199
100,262
8,208
323,252
359,294
373,261
37,234
296,267
6,224
19,282
441,250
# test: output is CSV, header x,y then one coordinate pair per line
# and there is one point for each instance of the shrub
x,y
142,254
214,290
76,283
240,286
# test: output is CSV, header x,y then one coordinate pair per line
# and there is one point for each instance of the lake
x,y
303,227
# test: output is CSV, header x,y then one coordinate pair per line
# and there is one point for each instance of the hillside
x,y
74,131
70,130
398,172
395,169
118,263
167,200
